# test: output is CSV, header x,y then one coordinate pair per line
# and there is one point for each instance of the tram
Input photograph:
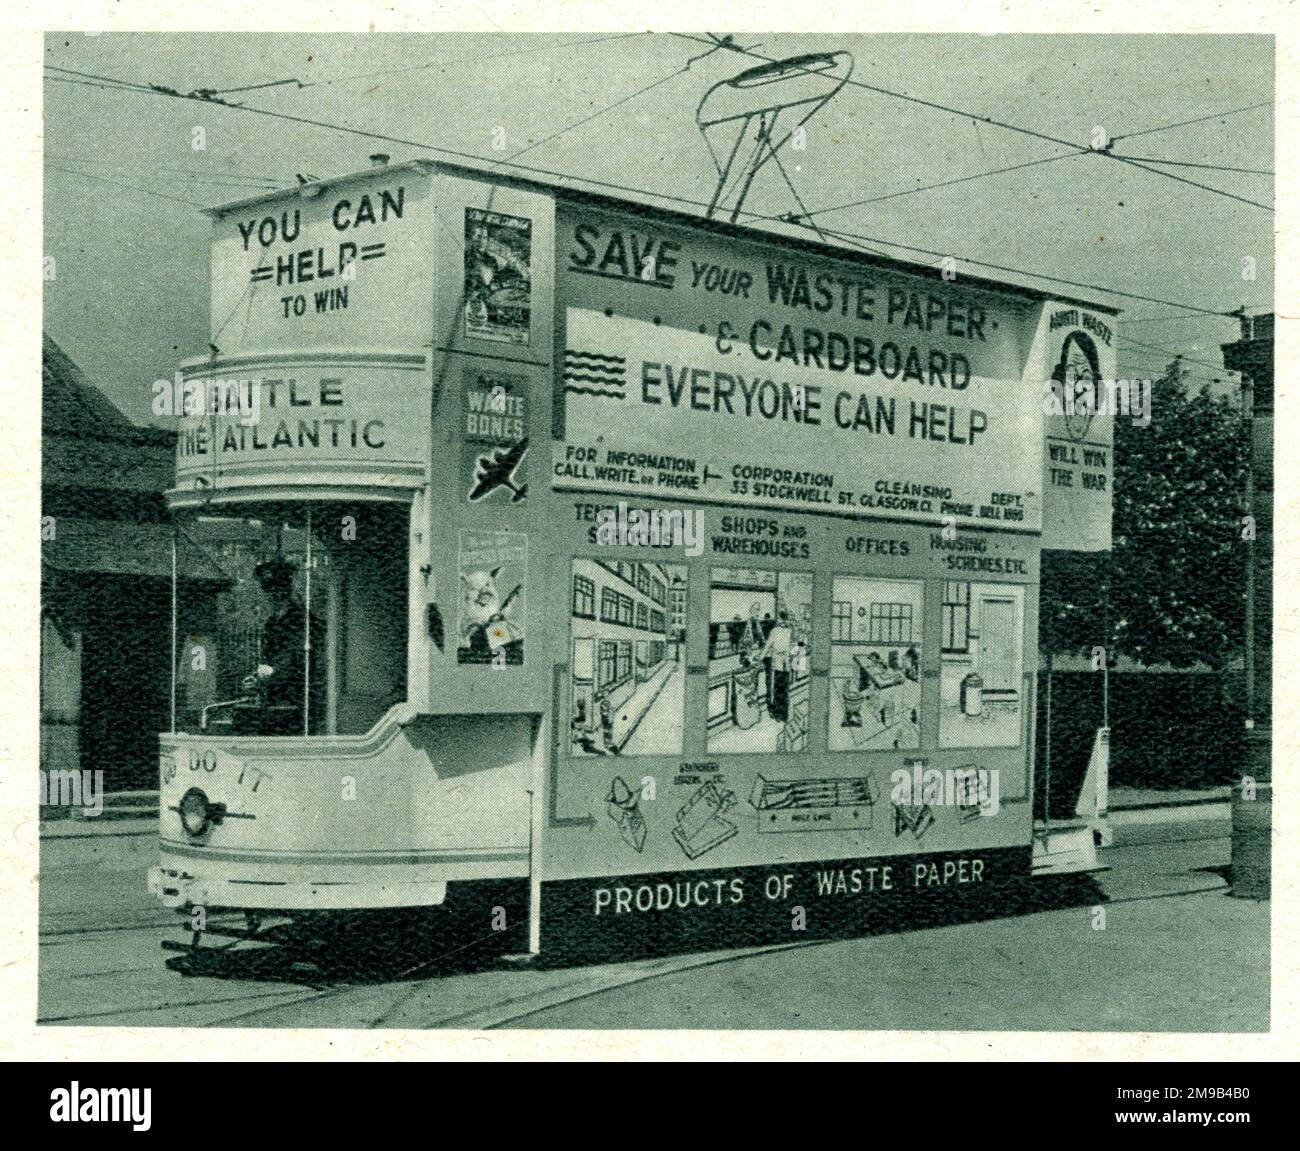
x,y
667,568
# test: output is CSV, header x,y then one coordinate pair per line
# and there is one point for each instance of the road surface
x,y
1174,952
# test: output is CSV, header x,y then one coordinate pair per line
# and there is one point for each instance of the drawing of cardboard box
x,y
700,826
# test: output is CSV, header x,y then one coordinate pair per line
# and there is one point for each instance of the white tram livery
x,y
674,570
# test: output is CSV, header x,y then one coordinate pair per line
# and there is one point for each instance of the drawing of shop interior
x,y
875,664
980,689
628,671
759,628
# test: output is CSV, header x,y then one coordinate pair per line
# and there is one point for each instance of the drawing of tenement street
x,y
629,631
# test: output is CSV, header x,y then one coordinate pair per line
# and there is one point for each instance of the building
x,y
106,568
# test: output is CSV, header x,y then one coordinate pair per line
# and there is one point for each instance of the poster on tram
x,y
493,581
498,276
1073,361
762,376
494,436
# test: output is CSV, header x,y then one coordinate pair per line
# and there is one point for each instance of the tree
x,y
1175,577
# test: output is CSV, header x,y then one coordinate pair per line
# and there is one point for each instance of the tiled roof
x,y
117,547
87,442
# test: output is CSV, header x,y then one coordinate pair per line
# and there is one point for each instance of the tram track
x,y
504,1012
408,999
514,1009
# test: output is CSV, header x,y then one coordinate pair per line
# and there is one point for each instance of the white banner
x,y
856,426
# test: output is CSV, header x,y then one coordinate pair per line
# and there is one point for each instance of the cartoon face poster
x,y
498,276
494,437
493,577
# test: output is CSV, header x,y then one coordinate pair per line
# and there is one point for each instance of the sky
x,y
124,185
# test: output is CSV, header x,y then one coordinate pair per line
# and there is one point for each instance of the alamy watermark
x,y
972,790
623,526
84,789
180,397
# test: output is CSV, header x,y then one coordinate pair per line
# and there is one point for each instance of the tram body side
x,y
709,730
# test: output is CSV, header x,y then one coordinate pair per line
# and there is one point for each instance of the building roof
x,y
72,405
115,547
87,442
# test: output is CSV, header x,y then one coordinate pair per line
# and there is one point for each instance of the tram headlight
x,y
195,812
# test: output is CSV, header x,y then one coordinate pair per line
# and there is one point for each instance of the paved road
x,y
1175,953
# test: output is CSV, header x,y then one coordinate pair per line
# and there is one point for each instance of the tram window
x,y
629,667
981,693
760,623
875,664
309,635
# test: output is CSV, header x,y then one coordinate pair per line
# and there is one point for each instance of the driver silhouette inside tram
x,y
278,681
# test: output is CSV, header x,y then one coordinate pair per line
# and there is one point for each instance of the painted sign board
x,y
340,265
735,372
738,687
318,419
1073,362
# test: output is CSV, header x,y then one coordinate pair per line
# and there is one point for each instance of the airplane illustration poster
x,y
494,437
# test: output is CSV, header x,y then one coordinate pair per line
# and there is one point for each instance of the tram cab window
x,y
309,634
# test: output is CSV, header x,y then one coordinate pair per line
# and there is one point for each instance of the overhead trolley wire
x,y
944,183
601,112
1212,167
851,237
460,60
1025,272
119,184
220,178
130,85
1081,149
386,138
1184,123
1174,352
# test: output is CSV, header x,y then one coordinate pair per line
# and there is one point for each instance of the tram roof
x,y
572,195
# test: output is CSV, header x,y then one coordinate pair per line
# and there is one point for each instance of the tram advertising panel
x,y
1074,355
767,377
833,472
340,265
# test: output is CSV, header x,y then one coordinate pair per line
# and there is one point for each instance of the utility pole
x,y
1252,798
